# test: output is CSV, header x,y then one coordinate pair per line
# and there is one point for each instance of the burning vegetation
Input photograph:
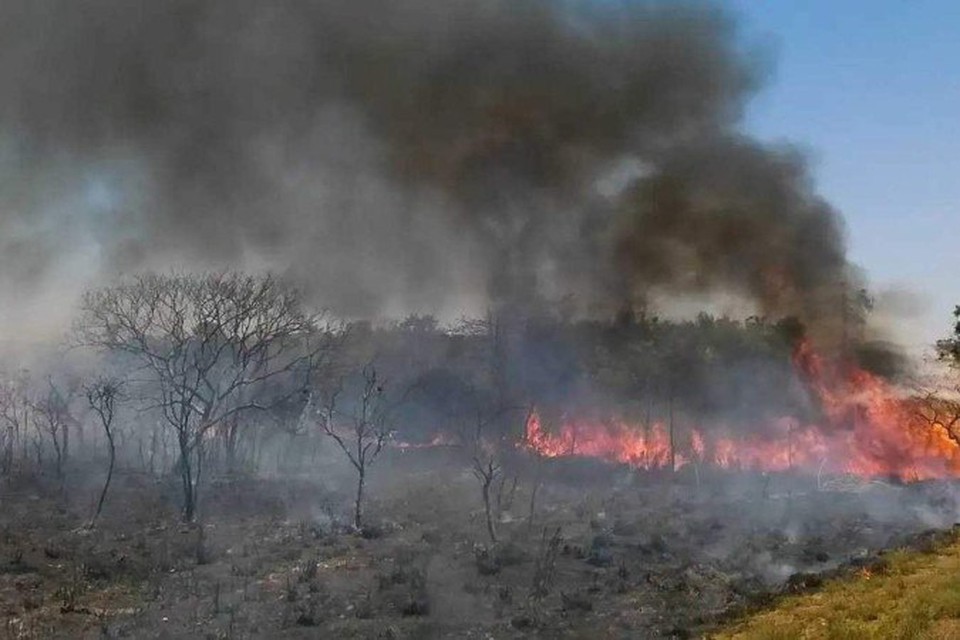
x,y
254,445
864,426
530,474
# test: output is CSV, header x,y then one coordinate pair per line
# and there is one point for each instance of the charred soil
x,y
608,553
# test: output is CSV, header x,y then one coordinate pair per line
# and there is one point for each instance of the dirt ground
x,y
610,552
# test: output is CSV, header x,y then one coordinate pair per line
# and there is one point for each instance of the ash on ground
x,y
610,552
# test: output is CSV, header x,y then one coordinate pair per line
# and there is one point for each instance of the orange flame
x,y
868,429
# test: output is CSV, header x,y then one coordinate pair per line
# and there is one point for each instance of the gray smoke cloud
x,y
395,156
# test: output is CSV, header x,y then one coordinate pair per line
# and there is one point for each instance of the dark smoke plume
x,y
394,156
727,213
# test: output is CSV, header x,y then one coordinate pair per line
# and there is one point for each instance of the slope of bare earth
x,y
610,553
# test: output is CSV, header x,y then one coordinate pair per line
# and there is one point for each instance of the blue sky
x,y
871,89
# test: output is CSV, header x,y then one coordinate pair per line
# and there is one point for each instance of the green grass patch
x,y
914,595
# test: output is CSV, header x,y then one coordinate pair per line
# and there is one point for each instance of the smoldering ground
x,y
403,156
638,554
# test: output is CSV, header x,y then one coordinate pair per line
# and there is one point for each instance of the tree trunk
x,y
154,443
488,511
230,446
533,492
186,478
197,476
188,506
106,484
66,444
358,505
59,457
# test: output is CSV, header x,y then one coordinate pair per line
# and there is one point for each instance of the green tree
x,y
948,349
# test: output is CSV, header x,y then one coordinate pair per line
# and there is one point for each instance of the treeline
x,y
227,373
634,367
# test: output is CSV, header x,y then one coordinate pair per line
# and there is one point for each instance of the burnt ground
x,y
611,552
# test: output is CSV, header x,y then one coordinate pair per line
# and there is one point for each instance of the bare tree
x,y
102,396
16,416
208,348
52,414
494,406
941,409
360,432
157,442
487,468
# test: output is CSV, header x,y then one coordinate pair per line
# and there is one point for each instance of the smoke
x,y
396,156
729,214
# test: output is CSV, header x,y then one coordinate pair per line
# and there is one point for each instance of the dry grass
x,y
915,596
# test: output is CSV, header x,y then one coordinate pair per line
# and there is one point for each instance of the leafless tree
x,y
495,406
487,468
208,348
153,446
102,396
52,414
941,409
16,416
361,432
